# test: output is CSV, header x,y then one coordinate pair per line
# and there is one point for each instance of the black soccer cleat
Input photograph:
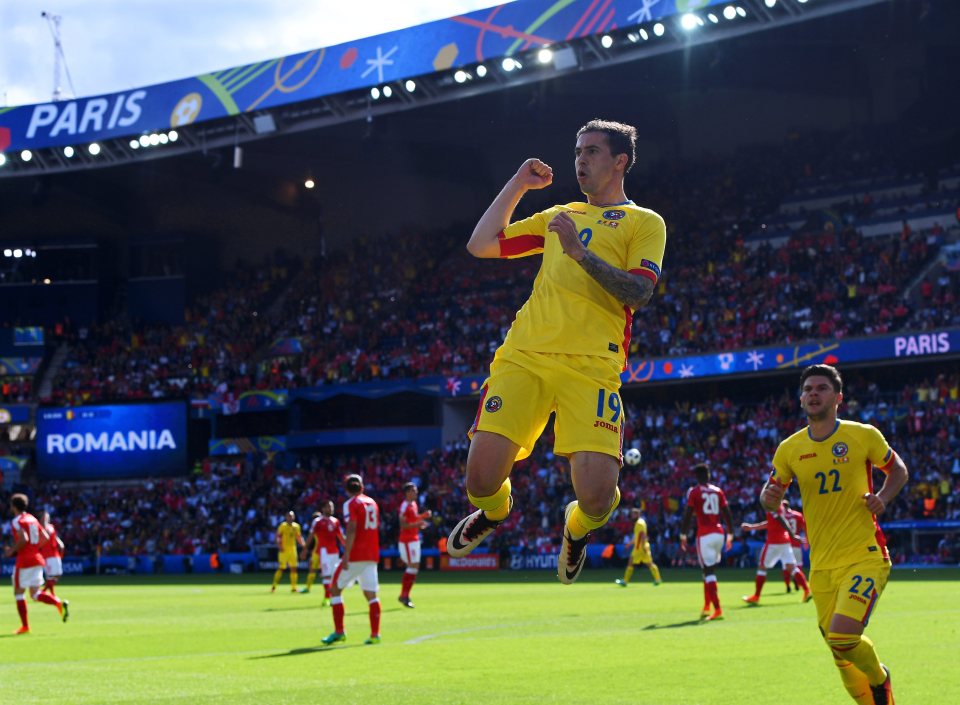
x,y
406,602
573,553
471,531
883,693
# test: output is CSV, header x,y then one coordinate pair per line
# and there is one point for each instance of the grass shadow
x,y
675,625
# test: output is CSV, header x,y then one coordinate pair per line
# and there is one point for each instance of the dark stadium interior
x,y
172,278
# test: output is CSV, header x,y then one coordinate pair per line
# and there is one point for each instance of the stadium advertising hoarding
x,y
112,441
447,44
475,561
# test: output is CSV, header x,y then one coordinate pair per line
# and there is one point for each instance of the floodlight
x,y
729,12
173,136
713,18
460,76
375,93
544,56
163,138
18,253
68,152
94,148
3,158
8,252
144,141
46,280
26,155
134,144
690,22
643,34
154,139
659,29
481,70
410,85
606,41
508,64
309,183
741,11
770,3
387,91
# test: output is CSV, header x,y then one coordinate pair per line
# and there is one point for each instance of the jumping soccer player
x,y
408,543
28,538
360,557
776,549
641,551
832,461
567,346
708,503
288,538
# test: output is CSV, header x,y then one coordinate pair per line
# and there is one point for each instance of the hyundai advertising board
x,y
112,441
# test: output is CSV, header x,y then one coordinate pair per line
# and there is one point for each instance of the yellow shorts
x,y
525,387
641,555
852,591
287,559
314,561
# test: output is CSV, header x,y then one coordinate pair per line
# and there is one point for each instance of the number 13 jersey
x,y
365,512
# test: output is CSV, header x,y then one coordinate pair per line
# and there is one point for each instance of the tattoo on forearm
x,y
630,289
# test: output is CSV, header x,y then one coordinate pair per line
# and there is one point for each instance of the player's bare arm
x,y
532,174
772,495
728,519
685,525
897,477
633,290
348,545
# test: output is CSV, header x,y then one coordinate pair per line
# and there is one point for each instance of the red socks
x,y
337,615
800,579
761,579
48,599
407,584
374,617
22,609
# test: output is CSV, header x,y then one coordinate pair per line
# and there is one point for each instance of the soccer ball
x,y
632,457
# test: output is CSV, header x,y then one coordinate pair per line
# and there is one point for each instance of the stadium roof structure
x,y
484,51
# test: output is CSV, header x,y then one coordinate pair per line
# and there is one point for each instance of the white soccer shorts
x,y
410,552
709,549
26,578
798,555
774,553
54,568
363,571
328,562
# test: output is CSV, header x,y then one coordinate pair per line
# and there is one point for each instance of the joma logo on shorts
x,y
609,426
858,599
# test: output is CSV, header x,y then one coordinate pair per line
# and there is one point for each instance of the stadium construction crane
x,y
53,21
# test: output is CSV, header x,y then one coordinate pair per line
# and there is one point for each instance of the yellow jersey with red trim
x,y
568,311
289,533
833,475
640,530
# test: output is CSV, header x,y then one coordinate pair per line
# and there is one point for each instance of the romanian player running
x,y
641,551
359,563
832,462
708,504
568,343
28,538
778,548
323,546
408,543
288,538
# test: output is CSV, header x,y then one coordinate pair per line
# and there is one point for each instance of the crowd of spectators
x,y
16,388
235,504
421,306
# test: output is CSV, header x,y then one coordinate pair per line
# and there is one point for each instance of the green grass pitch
x,y
482,639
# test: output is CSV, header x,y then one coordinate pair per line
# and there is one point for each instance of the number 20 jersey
x,y
833,476
706,500
365,512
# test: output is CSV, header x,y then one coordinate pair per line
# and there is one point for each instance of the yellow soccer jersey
x,y
833,475
640,528
289,533
568,311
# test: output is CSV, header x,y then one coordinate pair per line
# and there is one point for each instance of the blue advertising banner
x,y
14,413
437,46
833,352
28,335
112,441
19,366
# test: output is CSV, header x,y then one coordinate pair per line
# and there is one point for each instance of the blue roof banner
x,y
770,359
15,413
446,44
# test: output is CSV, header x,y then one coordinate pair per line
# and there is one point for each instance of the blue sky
x,y
114,45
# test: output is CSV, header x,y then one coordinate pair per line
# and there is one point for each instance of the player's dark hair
x,y
20,502
621,137
702,471
317,515
828,371
354,483
409,486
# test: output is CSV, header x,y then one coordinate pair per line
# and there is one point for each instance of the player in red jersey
x,y
360,557
28,537
777,549
326,537
798,526
411,521
52,552
709,504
